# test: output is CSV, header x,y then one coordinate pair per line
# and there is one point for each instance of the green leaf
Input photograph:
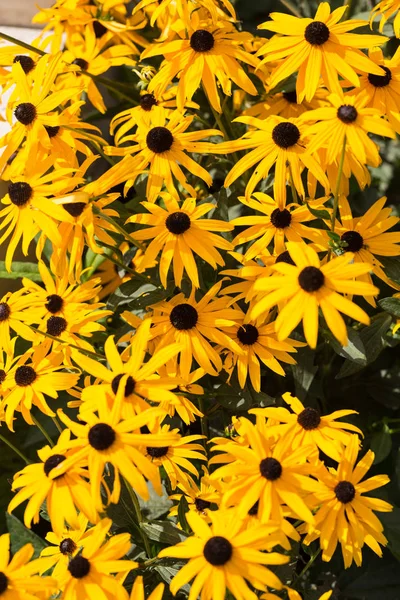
x,y
156,505
183,508
391,267
381,445
21,535
391,306
164,532
318,213
19,270
354,350
304,371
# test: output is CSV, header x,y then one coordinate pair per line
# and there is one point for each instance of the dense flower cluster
x,y
190,249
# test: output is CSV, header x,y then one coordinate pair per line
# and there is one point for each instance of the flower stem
x,y
139,516
56,339
204,423
292,187
291,8
118,227
14,40
43,431
309,564
57,424
14,449
337,190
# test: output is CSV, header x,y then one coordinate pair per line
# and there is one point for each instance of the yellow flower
x,y
137,592
224,555
318,47
308,285
284,104
178,232
198,497
386,9
18,576
14,316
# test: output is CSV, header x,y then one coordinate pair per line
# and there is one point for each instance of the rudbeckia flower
x,y
318,47
308,285
162,146
142,383
224,555
386,9
272,473
181,9
199,497
35,375
345,515
308,427
275,224
14,316
178,232
193,325
208,52
284,104
19,578
65,546
89,573
276,141
181,404
347,118
65,492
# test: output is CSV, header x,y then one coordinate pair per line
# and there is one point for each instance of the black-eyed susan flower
x,y
65,546
261,470
276,224
178,231
308,285
275,141
345,515
284,104
161,146
35,375
386,9
259,345
177,456
14,318
309,428
180,10
207,52
142,383
224,555
90,573
367,237
19,579
348,119
318,47
67,492
108,438
199,497
181,404
193,324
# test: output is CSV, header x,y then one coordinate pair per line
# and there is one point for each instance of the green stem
x,y
204,423
56,339
14,40
118,227
126,268
57,424
291,8
309,564
14,449
337,190
43,431
139,516
292,186
147,563
107,85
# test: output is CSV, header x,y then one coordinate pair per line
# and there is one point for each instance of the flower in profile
x,y
345,515
308,285
224,555
318,47
90,573
178,232
347,119
386,9
193,324
276,223
161,145
199,497
65,546
209,52
275,141
19,579
66,492
308,427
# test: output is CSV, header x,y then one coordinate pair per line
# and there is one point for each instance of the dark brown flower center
x,y
309,419
281,218
82,63
5,311
54,303
316,33
285,257
380,80
202,41
24,376
345,491
26,62
184,317
157,452
159,139
270,468
285,135
311,279
347,113
129,385
290,96
67,546
3,583
353,240
75,209
201,504
177,222
2,375
55,326
147,101
20,193
217,551
247,334
79,567
52,131
25,113
52,462
101,436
